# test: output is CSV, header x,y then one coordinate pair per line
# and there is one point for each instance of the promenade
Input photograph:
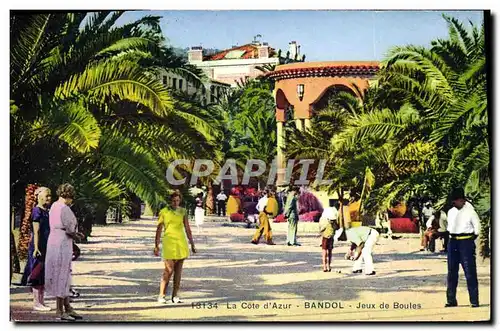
x,y
230,279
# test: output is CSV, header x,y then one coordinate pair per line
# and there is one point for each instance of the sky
x,y
323,35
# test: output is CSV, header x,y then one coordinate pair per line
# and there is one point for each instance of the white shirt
x,y
221,196
330,213
428,211
262,203
443,224
337,234
464,220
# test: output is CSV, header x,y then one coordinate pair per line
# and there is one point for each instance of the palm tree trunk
x,y
484,239
361,198
25,228
210,199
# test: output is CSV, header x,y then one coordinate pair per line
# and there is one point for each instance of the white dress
x,y
199,212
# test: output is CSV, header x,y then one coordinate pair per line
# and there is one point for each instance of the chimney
x,y
264,51
195,54
292,47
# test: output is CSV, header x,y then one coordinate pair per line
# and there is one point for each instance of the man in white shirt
x,y
264,226
427,212
463,226
362,239
221,203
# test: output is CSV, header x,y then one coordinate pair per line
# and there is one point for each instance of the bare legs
x,y
326,255
38,300
175,268
64,309
167,273
329,259
59,306
177,277
36,296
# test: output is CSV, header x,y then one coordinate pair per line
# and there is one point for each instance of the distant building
x,y
240,62
208,93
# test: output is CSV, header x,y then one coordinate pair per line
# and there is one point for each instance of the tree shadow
x,y
246,273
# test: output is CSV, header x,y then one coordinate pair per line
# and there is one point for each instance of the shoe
x,y
74,314
270,243
357,271
66,317
474,305
422,249
329,270
371,273
176,300
254,242
162,300
40,307
450,305
297,244
288,244
74,294
325,270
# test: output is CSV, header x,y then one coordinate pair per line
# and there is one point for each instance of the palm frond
x,y
132,166
114,80
73,123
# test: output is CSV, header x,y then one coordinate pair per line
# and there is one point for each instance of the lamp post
x,y
300,91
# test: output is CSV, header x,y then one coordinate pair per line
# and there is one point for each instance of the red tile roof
x,y
323,70
250,52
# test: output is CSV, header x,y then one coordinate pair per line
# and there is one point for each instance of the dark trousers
x,y
462,252
221,207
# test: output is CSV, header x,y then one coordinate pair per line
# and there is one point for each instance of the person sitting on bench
x,y
436,228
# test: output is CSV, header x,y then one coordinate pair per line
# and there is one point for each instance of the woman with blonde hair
x,y
34,270
63,229
174,245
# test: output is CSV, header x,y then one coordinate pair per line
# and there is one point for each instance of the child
x,y
327,226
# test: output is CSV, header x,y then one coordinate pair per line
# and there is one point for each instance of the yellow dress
x,y
174,243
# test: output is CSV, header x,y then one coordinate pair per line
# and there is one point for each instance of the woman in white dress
x,y
199,212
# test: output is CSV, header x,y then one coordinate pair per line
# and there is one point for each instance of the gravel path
x,y
230,279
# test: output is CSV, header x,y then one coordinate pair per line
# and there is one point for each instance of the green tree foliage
x,y
87,107
421,128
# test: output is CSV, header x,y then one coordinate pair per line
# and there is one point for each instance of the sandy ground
x,y
230,279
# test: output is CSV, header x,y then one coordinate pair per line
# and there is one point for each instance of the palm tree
x,y
436,136
89,100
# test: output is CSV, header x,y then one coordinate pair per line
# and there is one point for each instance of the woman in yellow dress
x,y
174,245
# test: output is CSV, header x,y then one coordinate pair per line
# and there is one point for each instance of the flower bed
x,y
236,217
280,219
312,216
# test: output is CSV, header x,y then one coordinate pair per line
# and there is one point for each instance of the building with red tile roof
x,y
239,63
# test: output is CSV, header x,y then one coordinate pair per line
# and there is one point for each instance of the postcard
x,y
250,166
